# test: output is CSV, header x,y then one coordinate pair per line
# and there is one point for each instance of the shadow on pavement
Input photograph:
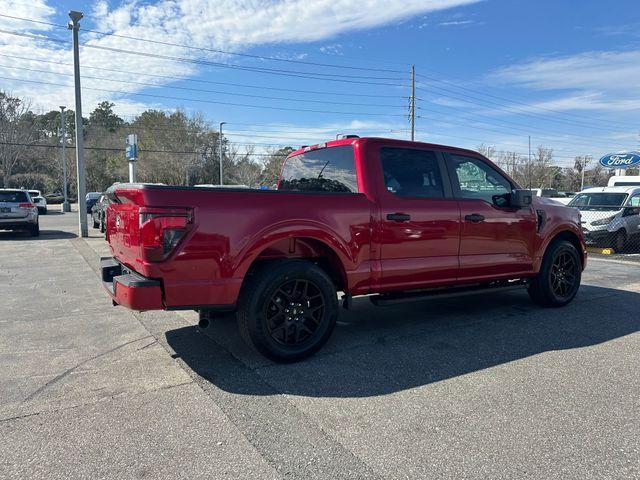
x,y
406,347
44,235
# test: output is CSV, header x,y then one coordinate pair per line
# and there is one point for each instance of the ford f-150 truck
x,y
391,219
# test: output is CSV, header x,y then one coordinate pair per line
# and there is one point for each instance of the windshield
x,y
34,193
323,170
13,197
598,200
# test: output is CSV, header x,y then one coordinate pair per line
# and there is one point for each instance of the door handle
x,y
398,217
474,217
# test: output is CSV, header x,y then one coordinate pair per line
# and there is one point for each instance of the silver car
x,y
18,212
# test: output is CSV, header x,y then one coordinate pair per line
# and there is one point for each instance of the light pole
x,y
74,25
220,137
63,154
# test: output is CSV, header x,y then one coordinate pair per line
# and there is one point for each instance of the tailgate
x,y
139,231
123,231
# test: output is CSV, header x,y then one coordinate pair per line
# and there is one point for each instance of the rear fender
x,y
286,233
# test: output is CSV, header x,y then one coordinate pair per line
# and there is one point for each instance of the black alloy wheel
x,y
287,309
294,312
563,275
559,277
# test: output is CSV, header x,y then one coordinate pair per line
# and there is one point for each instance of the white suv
x,y
18,212
610,215
39,200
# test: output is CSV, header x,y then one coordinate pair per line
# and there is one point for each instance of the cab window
x,y
322,170
411,173
475,179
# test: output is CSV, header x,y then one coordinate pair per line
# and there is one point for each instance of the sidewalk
x,y
87,391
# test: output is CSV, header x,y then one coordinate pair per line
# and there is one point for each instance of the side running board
x,y
419,295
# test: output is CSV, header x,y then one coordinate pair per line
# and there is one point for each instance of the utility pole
x,y
74,25
63,154
584,167
220,137
529,162
412,104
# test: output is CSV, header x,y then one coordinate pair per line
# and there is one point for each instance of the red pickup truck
x,y
392,219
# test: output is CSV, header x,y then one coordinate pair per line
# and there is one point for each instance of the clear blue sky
x,y
493,71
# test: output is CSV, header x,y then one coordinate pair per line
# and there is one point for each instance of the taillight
x,y
161,230
30,206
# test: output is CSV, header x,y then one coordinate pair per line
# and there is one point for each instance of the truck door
x,y
419,218
494,240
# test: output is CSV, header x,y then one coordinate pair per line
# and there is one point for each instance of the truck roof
x,y
392,141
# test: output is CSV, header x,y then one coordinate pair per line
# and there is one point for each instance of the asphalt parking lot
x,y
461,388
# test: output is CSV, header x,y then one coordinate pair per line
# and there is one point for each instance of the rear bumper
x,y
130,289
18,223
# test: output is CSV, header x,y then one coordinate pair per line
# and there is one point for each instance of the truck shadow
x,y
377,351
6,235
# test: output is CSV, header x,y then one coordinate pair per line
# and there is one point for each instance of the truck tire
x,y
287,310
559,278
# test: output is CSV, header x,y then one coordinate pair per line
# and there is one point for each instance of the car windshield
x,y
34,193
598,200
13,197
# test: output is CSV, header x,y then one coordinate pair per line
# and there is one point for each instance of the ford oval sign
x,y
621,160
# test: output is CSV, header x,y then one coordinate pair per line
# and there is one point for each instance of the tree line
x,y
176,148
539,171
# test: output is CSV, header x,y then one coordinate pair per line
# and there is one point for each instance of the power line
x,y
507,108
510,100
522,127
212,82
215,102
271,71
218,92
213,50
113,149
528,105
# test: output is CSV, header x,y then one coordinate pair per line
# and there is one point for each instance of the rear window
x,y
14,197
323,170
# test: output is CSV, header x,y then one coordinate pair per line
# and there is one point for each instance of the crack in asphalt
x,y
59,377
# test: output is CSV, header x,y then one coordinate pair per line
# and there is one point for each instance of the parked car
x,y
391,219
610,215
98,213
552,193
18,212
92,198
39,201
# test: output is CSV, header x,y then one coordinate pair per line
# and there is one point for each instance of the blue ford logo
x,y
620,160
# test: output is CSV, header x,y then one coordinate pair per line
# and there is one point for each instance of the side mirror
x,y
521,198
